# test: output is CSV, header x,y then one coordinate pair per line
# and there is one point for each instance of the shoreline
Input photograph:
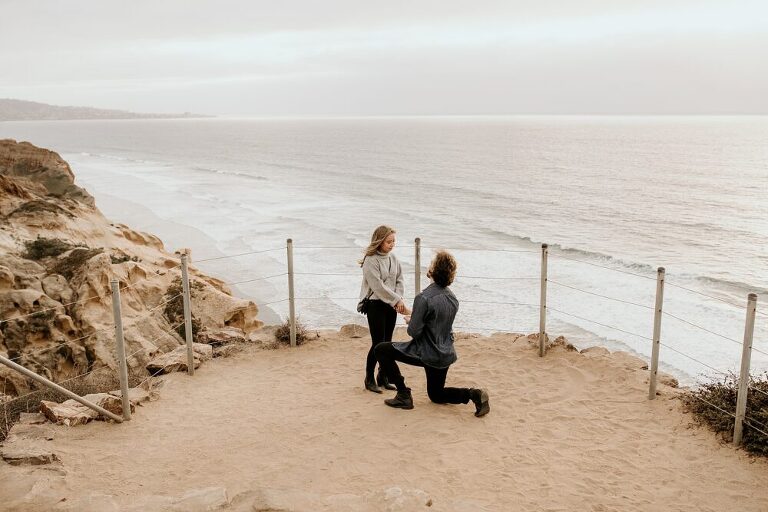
x,y
174,235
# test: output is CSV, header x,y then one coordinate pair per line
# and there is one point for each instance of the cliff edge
x,y
58,254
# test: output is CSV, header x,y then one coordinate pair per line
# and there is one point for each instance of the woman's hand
x,y
400,307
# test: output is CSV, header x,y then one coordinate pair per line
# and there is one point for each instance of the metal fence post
x,y
120,343
187,315
660,272
417,266
291,299
746,356
543,301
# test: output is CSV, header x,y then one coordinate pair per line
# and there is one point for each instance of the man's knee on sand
x,y
436,395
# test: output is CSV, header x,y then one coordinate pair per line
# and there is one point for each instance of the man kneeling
x,y
430,326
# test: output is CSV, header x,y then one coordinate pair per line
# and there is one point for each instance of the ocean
x,y
614,197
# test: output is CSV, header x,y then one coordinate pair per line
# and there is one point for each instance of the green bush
x,y
723,395
45,248
174,309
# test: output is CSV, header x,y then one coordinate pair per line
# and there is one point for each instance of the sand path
x,y
566,432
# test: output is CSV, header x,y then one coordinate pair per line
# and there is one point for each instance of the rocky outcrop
x,y
58,255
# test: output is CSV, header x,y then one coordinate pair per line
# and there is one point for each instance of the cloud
x,y
397,57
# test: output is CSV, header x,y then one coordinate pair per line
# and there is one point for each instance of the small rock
x,y
668,380
72,412
227,350
596,351
69,413
26,444
223,336
204,351
137,396
353,331
176,360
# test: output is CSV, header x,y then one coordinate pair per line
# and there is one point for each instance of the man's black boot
x,y
402,400
480,399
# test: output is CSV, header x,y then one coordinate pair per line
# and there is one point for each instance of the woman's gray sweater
x,y
382,278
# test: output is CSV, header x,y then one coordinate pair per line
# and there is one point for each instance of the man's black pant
x,y
388,356
381,322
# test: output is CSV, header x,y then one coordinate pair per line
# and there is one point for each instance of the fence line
x,y
255,279
755,428
760,313
472,249
228,256
702,328
599,295
673,349
543,310
697,397
559,256
499,302
598,323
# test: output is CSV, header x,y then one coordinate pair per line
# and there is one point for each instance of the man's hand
x,y
407,319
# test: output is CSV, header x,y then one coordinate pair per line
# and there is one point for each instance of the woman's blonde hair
x,y
442,270
379,235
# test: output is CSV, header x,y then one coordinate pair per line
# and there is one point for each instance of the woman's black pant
x,y
381,322
388,355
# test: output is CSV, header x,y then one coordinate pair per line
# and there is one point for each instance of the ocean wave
x,y
223,172
728,285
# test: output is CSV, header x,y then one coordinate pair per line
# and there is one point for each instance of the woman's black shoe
x,y
370,385
383,382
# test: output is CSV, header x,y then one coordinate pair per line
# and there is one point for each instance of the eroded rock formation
x,y
58,254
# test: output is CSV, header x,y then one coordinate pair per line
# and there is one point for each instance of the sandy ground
x,y
569,431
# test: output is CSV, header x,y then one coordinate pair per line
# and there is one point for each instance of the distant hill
x,y
19,110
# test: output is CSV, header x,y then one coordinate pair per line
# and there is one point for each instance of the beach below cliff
x,y
293,429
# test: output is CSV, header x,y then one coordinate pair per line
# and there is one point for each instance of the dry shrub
x,y
74,261
283,333
723,395
101,380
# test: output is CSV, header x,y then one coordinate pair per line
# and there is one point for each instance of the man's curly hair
x,y
442,270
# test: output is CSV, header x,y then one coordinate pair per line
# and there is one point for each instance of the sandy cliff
x,y
58,254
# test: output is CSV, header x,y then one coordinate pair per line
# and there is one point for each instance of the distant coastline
x,y
20,110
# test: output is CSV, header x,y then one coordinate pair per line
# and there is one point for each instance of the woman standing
x,y
383,286
431,327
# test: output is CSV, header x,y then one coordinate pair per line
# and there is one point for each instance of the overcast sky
x,y
366,57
